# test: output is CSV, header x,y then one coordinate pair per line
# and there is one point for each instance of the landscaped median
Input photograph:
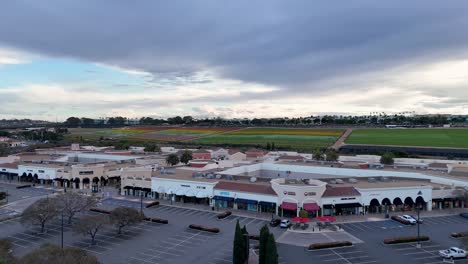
x,y
399,240
224,214
99,210
335,244
204,228
155,203
157,220
460,234
23,186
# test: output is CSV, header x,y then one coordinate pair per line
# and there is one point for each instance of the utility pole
x,y
418,245
62,228
141,203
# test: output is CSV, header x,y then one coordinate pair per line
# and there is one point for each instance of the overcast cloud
x,y
303,57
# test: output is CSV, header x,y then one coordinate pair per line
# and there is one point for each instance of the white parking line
x,y
142,260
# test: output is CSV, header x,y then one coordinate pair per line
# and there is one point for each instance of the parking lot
x,y
351,255
427,254
24,193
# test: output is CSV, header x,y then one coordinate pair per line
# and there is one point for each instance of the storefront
x,y
223,202
245,204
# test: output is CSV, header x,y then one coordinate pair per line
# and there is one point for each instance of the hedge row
x,y
254,237
461,234
398,240
23,186
98,210
330,245
204,228
401,220
157,220
152,204
224,214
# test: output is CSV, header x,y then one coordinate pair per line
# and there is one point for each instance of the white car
x,y
453,253
408,218
285,223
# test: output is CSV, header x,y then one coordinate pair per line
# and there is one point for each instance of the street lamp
x,y
170,197
418,245
141,203
62,227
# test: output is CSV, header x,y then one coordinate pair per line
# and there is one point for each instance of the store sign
x,y
310,193
185,185
350,198
289,193
223,193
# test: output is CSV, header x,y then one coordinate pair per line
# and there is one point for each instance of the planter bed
x,y
399,240
23,186
204,228
400,220
254,237
155,203
98,210
460,234
157,220
224,214
329,245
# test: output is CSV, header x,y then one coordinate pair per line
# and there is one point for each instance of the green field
x,y
301,139
426,137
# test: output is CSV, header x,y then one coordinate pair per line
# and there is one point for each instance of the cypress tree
x,y
272,253
264,234
238,252
245,244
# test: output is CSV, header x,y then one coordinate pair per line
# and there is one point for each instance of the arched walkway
x,y
77,183
86,183
374,206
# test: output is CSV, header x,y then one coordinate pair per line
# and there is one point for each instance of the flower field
x,y
181,133
300,139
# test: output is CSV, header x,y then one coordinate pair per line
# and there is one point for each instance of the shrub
x,y
98,210
224,214
330,245
157,220
461,234
254,237
155,203
401,220
398,240
204,228
23,186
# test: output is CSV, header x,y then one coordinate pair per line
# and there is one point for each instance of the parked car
x,y
416,218
408,218
453,253
285,223
275,222
464,215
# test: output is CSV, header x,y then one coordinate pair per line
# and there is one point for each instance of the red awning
x,y
289,206
311,207
297,219
326,219
305,220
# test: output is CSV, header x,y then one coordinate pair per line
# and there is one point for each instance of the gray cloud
x,y
291,45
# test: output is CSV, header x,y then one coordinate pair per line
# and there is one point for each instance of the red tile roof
x,y
291,158
201,151
245,187
437,165
9,165
340,191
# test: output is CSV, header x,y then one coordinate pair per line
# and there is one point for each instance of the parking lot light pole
x,y
418,245
62,228
141,203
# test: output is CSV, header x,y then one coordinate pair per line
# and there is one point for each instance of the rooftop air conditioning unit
x,y
371,180
253,179
352,180
332,182
219,176
339,181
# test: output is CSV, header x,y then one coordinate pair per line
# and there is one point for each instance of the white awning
x,y
180,192
201,195
161,189
190,193
170,191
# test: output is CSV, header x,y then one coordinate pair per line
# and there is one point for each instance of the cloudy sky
x,y
239,58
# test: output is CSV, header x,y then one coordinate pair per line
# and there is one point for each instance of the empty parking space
x,y
349,255
426,254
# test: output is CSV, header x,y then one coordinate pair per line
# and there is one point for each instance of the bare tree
x,y
52,254
73,203
90,225
41,212
124,216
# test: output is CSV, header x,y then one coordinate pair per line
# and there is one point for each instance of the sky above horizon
x,y
234,59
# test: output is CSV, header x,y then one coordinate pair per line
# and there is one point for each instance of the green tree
x,y
317,154
303,213
331,155
186,157
264,233
273,147
238,252
151,147
172,159
272,252
73,121
387,158
268,146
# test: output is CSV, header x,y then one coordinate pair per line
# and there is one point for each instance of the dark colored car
x,y
275,222
464,215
